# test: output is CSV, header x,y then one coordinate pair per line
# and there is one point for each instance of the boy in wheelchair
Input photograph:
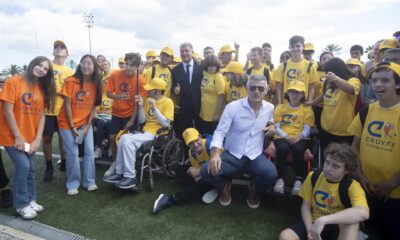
x,y
199,153
157,112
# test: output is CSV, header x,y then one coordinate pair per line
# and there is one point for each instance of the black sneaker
x,y
62,165
48,174
163,201
127,183
113,178
6,198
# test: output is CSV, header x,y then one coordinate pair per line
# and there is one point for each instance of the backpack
x,y
363,114
344,186
265,73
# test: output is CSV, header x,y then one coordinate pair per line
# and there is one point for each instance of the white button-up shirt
x,y
243,130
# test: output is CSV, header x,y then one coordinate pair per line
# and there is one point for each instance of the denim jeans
x,y
72,164
260,168
24,186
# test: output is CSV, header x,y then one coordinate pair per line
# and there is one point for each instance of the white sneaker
x,y
36,207
296,187
72,192
92,187
111,170
210,196
279,186
59,162
97,153
27,213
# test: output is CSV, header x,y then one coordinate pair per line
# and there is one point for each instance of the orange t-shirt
x,y
28,109
119,83
82,102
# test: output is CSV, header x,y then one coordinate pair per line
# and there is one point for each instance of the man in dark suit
x,y
186,79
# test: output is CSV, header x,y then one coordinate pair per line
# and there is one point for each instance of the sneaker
x,y
62,165
6,198
296,187
126,183
27,213
98,153
253,199
225,195
113,178
92,187
48,174
279,186
111,170
210,196
36,207
72,192
163,201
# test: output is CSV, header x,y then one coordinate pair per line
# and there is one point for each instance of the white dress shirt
x,y
243,130
190,69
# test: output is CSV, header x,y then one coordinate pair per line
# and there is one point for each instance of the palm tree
x,y
12,70
333,48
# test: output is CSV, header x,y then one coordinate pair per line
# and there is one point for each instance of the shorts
x,y
50,125
330,231
118,124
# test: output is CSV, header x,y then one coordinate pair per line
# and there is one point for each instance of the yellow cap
x,y
226,49
309,47
190,135
155,83
121,60
297,86
119,135
157,59
177,59
388,43
168,51
151,53
233,67
196,55
354,61
59,42
392,66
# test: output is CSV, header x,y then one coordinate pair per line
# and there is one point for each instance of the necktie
x,y
188,73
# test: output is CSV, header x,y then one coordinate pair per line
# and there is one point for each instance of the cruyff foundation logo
x,y
234,95
375,129
80,96
293,74
150,113
30,102
380,135
323,199
124,87
287,119
204,82
329,93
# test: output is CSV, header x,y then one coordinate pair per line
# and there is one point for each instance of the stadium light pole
x,y
89,21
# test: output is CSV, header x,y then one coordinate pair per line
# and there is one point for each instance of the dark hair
x,y
285,52
303,99
319,68
240,80
266,45
135,58
357,48
96,78
395,76
344,153
295,39
258,50
392,51
208,47
46,83
211,61
339,68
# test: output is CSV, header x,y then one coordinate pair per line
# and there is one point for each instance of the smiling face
x,y
256,90
296,49
87,66
60,51
40,70
186,53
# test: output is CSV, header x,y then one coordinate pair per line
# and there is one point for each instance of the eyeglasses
x,y
260,88
59,46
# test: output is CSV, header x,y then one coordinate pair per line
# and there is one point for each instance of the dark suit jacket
x,y
190,95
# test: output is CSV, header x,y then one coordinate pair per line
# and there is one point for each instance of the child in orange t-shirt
x,y
24,99
81,94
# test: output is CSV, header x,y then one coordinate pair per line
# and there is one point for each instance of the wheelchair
x,y
161,155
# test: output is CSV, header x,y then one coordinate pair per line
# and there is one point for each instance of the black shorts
x,y
118,124
50,125
330,231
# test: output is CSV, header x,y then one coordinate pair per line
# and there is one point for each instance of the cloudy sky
x,y
29,27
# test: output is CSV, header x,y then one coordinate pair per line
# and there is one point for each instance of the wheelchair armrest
x,y
163,129
314,132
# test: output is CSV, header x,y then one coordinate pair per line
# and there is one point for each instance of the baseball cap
x,y
309,47
226,49
168,51
157,59
388,43
233,67
297,86
121,60
190,135
151,53
177,59
392,66
353,61
59,42
155,83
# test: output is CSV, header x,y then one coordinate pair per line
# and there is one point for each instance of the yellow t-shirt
x,y
197,159
61,72
319,87
163,73
292,120
296,71
233,93
166,108
380,143
324,197
212,85
338,111
260,71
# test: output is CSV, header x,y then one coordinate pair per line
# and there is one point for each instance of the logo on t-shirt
x,y
150,113
288,119
26,98
80,96
234,95
204,82
30,103
106,103
124,87
380,135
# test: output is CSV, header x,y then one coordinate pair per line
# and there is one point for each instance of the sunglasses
x,y
60,46
285,57
260,89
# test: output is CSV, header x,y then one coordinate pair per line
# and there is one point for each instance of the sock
x,y
49,163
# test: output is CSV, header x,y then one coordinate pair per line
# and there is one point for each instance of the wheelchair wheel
x,y
316,151
173,154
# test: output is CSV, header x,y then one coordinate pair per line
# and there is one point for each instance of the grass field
x,y
109,213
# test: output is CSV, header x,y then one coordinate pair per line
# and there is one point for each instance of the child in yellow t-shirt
x,y
326,204
235,87
293,122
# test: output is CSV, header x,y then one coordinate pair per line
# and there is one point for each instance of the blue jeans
x,y
24,186
262,169
72,164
